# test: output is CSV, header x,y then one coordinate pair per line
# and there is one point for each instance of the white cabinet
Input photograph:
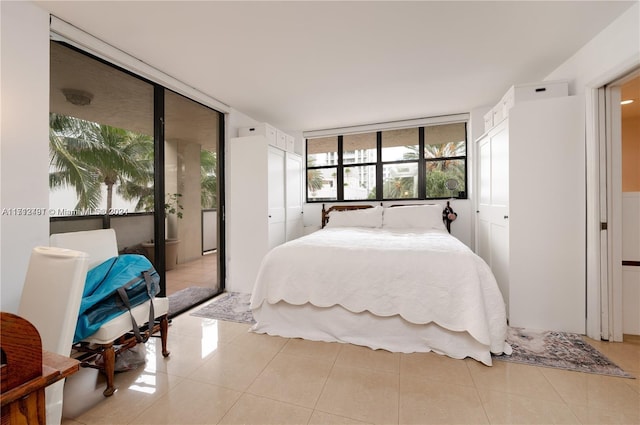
x,y
531,212
264,205
523,93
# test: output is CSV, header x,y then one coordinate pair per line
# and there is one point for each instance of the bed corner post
x,y
324,215
449,215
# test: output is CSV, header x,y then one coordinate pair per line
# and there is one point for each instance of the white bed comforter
x,y
423,277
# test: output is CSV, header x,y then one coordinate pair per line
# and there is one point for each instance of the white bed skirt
x,y
336,324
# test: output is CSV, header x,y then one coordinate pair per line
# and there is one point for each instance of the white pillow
x,y
367,217
422,217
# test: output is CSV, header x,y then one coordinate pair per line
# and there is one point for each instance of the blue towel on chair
x,y
100,299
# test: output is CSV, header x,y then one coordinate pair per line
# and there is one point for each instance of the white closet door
x,y
483,244
294,196
276,195
493,205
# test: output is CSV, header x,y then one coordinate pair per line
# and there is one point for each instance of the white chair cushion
x,y
99,244
120,325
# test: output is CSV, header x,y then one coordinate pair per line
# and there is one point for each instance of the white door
x,y
620,281
493,205
276,197
294,196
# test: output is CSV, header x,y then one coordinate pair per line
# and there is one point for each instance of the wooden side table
x,y
26,371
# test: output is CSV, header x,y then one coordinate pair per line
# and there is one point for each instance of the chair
x,y
102,245
50,300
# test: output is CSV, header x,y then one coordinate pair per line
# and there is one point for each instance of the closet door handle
x,y
506,217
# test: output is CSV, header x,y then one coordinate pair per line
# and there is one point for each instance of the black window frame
x,y
421,162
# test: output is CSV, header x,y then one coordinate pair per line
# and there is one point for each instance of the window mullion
x,y
340,171
422,185
379,168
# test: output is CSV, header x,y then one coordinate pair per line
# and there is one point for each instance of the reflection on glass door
x,y
101,148
191,199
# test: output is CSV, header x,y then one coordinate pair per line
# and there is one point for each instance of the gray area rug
x,y
559,350
187,298
230,306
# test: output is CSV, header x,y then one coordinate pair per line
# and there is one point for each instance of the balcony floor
x,y
202,272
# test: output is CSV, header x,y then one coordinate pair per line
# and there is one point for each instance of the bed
x,y
384,278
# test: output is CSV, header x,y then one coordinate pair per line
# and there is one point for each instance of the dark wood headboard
x,y
325,212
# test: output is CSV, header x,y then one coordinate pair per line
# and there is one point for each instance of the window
x,y
408,163
359,181
400,155
322,170
445,153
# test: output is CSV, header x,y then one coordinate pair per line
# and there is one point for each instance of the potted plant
x,y
172,206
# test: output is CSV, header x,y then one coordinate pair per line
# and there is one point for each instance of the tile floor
x,y
219,373
201,272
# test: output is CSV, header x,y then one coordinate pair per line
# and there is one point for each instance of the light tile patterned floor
x,y
218,373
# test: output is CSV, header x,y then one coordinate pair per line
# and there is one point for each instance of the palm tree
x,y
445,150
208,179
438,172
399,187
141,187
65,141
86,154
315,180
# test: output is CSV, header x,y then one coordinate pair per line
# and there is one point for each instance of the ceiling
x,y
316,65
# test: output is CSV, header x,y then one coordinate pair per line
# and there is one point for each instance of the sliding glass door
x,y
127,154
191,144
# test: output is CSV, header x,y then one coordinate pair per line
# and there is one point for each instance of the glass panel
x,y
359,182
443,141
398,145
359,148
438,172
400,181
190,178
322,184
101,145
322,151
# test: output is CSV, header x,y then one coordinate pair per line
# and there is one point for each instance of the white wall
x,y
24,141
235,120
609,55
